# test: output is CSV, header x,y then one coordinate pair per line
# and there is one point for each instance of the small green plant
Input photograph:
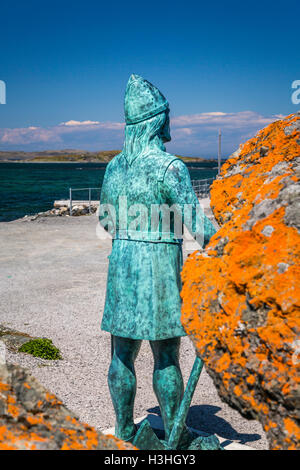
x,y
41,347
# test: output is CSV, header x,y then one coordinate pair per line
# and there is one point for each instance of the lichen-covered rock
x,y
241,297
31,418
13,339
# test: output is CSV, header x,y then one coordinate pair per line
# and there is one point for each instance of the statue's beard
x,y
163,140
160,143
165,132
165,135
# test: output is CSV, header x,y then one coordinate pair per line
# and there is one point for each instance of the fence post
x,y
219,152
70,201
89,200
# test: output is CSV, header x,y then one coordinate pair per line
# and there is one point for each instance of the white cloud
x,y
93,124
63,132
79,123
193,134
183,131
28,135
235,120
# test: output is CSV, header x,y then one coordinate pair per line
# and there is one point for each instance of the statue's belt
x,y
154,237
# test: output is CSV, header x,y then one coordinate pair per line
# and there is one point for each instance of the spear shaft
x,y
180,418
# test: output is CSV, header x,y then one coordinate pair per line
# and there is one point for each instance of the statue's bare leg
x,y
122,384
167,379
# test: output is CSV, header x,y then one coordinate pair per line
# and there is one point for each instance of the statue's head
x,y
146,116
142,100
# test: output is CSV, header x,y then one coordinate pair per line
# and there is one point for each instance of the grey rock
x,y
282,267
267,230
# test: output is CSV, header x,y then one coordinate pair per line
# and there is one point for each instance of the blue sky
x,y
220,64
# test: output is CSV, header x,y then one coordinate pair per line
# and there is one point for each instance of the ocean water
x,y
28,188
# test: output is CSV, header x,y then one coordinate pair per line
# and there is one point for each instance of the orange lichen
x,y
53,428
221,292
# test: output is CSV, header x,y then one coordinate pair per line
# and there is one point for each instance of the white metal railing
x,y
201,188
89,192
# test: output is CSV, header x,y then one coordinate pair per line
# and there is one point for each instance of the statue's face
x,y
165,131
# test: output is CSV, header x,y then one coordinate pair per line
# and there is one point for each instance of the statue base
x,y
147,439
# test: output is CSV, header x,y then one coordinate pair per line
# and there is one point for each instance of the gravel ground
x,y
53,276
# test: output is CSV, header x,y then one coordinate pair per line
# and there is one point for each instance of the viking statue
x,y
144,196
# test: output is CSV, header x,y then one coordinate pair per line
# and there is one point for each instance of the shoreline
x,y
82,208
185,159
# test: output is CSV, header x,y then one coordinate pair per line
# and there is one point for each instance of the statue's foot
x,y
127,437
210,442
190,440
186,438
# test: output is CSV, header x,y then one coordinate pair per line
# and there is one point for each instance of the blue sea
x,y
28,188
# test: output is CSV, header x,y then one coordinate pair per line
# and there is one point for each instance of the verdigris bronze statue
x,y
146,198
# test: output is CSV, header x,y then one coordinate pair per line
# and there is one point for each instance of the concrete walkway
x,y
53,278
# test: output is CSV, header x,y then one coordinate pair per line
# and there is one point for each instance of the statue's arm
x,y
179,190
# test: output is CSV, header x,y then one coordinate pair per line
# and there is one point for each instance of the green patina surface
x,y
140,186
144,283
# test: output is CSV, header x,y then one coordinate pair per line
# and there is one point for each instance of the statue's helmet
x,y
142,100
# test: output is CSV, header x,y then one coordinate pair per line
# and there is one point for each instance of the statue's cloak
x,y
143,285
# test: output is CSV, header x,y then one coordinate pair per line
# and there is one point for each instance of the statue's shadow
x,y
204,418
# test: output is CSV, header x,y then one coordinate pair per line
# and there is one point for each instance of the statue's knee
x,y
166,353
125,350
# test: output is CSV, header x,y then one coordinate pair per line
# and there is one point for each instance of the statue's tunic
x,y
143,284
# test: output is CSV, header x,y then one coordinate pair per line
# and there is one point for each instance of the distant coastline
x,y
72,156
29,187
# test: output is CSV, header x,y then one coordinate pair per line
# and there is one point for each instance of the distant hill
x,y
65,155
69,155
